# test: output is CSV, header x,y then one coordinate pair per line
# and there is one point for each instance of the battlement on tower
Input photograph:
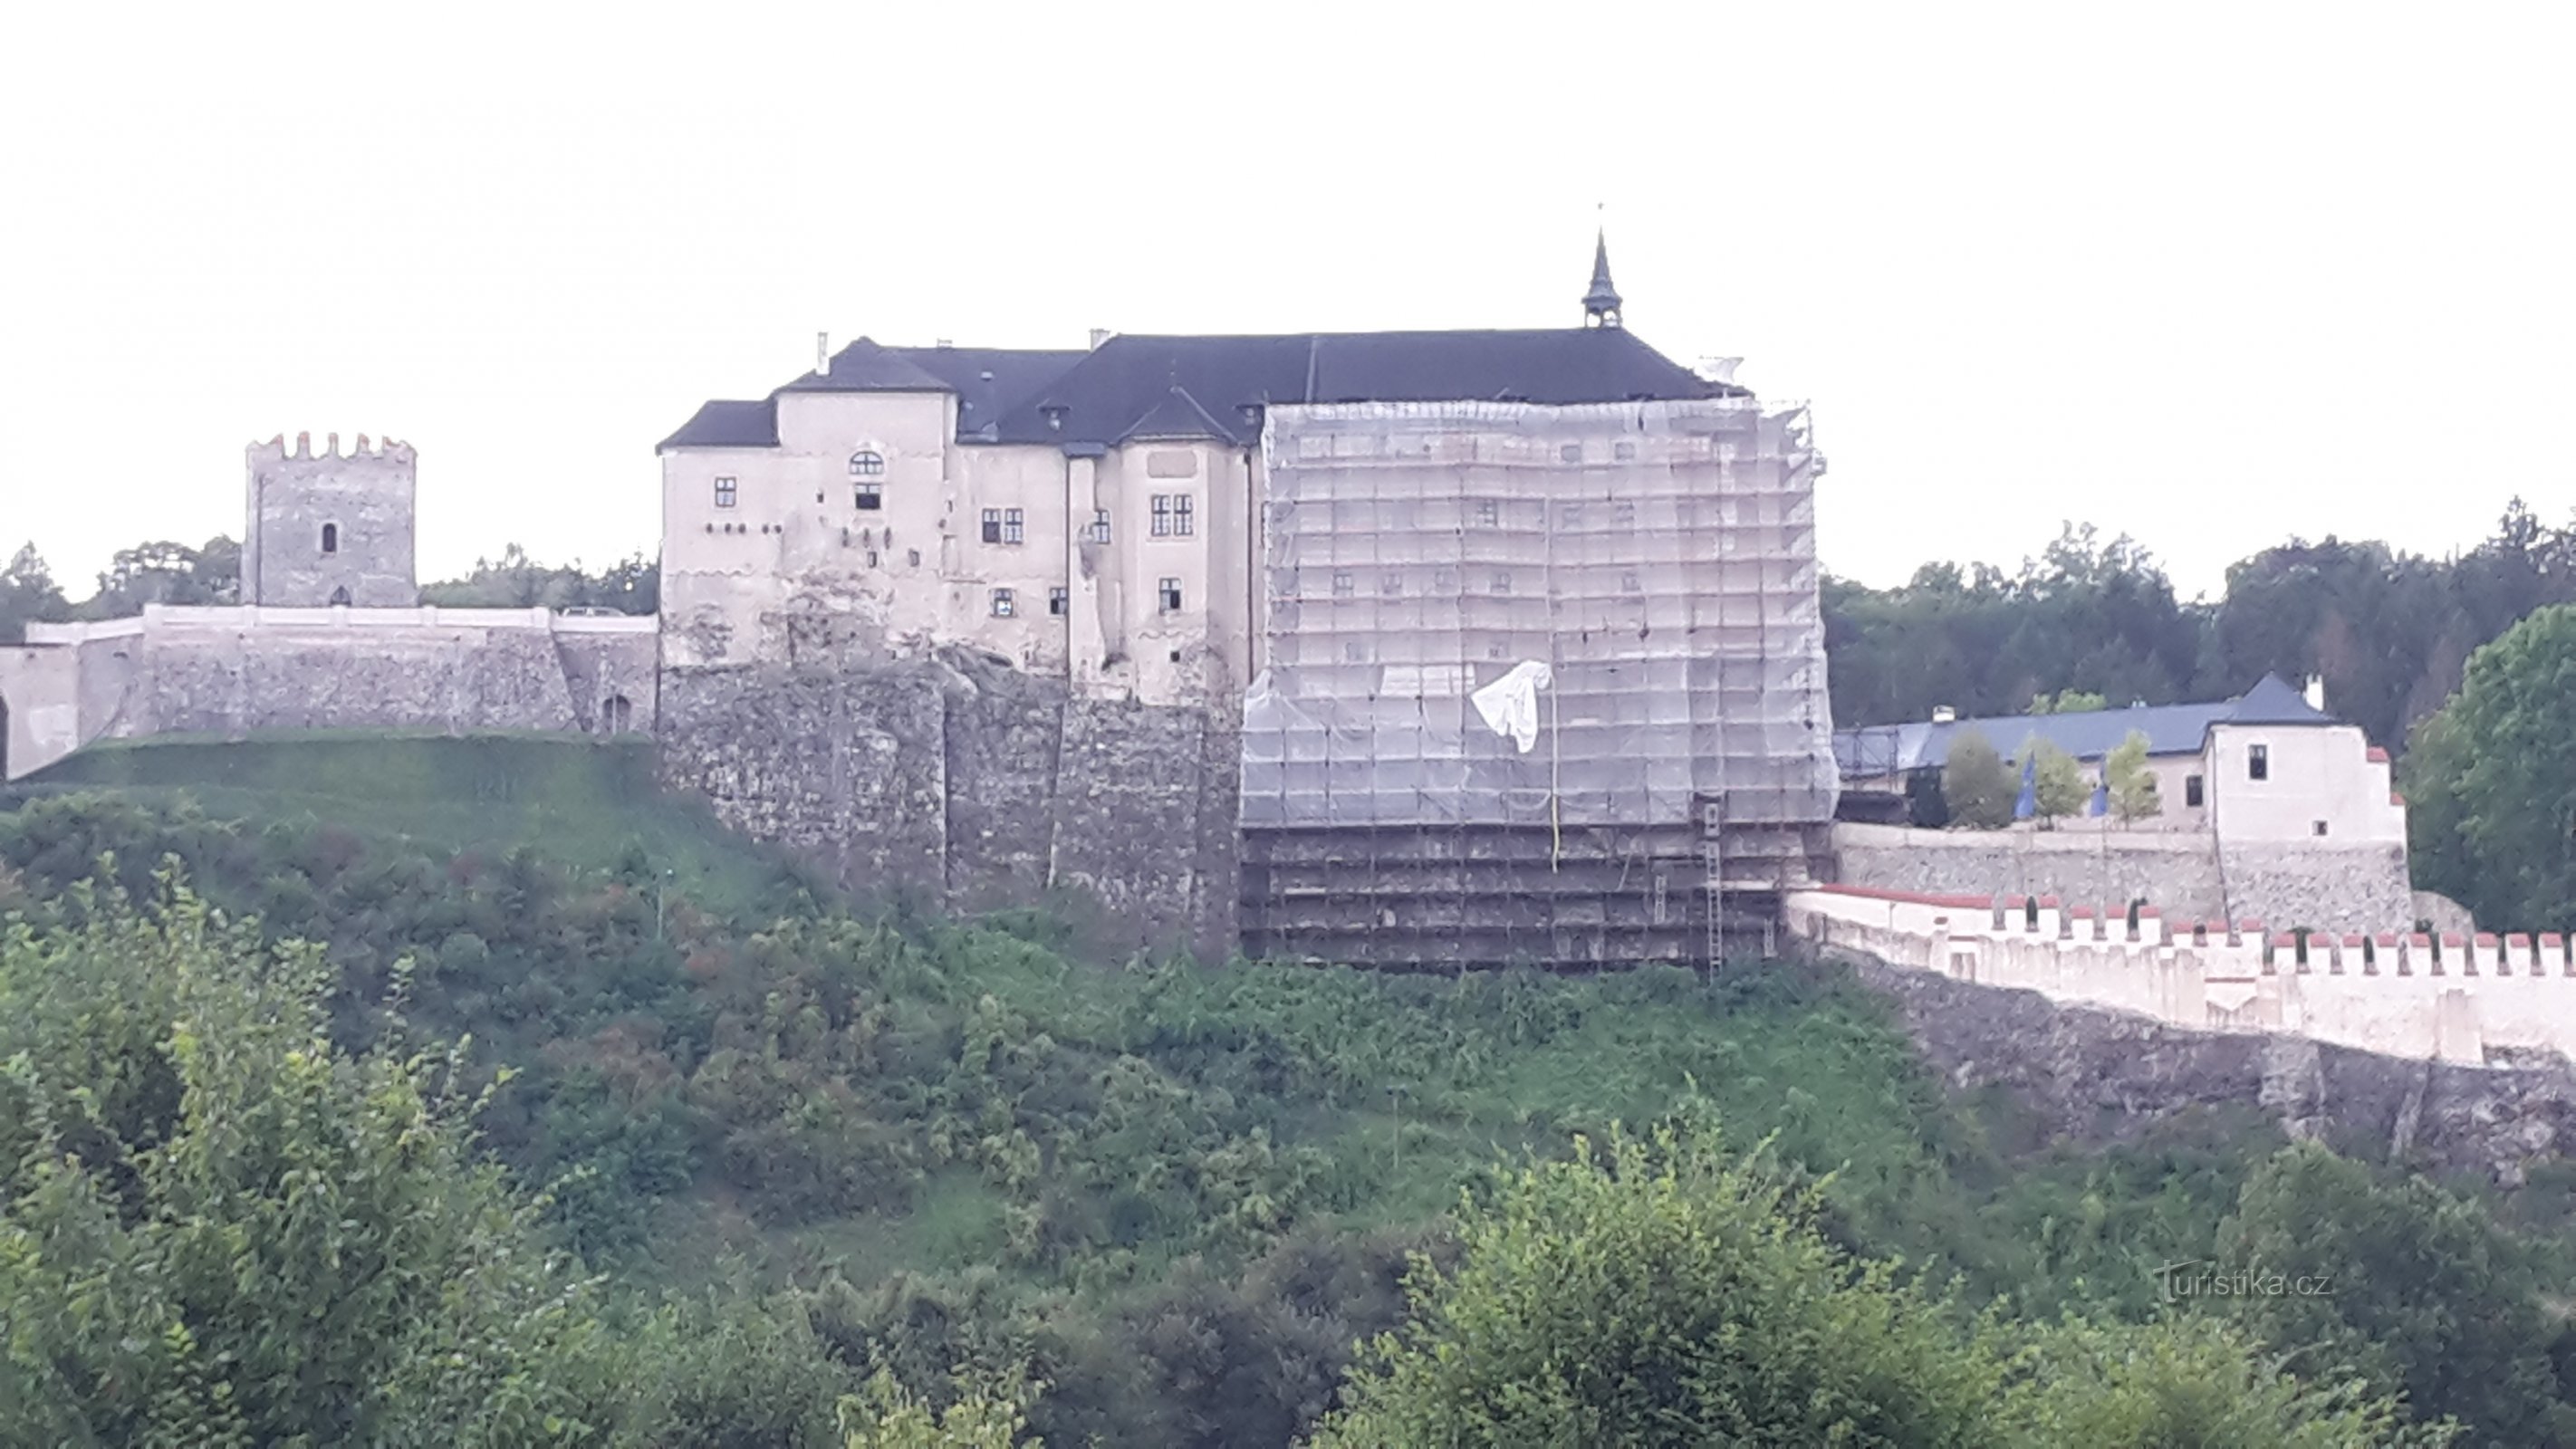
x,y
326,528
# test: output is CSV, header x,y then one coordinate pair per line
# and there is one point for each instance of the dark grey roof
x,y
1177,415
2171,729
1101,397
1104,395
728,425
863,366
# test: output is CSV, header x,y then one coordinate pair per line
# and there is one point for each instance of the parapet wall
x,y
233,671
2451,997
974,785
2319,885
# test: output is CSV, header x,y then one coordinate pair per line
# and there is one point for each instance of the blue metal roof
x,y
2171,729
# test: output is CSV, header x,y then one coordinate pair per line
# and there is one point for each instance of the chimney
x,y
1100,335
1943,714
822,354
2316,693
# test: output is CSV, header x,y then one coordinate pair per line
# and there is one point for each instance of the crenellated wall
x,y
2451,997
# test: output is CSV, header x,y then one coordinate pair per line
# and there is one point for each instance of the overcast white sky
x,y
2209,275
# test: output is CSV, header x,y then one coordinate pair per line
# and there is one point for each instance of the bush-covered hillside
x,y
1177,1197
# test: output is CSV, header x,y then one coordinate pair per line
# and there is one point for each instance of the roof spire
x,y
1601,303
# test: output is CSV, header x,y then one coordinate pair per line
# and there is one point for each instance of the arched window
x,y
867,463
330,538
616,715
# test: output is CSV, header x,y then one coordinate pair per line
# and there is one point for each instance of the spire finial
x,y
1601,303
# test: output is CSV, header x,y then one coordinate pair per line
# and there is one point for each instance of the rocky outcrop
x,y
2099,1076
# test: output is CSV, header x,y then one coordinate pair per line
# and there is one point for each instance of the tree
x,y
2057,782
2492,781
2068,701
1976,784
2420,1293
516,581
28,595
1661,1293
166,573
1654,1292
2132,783
985,1414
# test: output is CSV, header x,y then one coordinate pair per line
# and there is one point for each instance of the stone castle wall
x,y
2451,997
971,784
2291,884
232,671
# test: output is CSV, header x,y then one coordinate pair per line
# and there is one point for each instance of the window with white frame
x,y
1100,525
992,525
1003,605
868,497
724,492
1174,515
1014,529
1058,600
867,463
1171,596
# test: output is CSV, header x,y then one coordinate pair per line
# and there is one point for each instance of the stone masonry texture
x,y
968,784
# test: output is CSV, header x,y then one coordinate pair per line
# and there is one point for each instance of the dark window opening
x,y
1171,593
616,715
869,496
2258,762
992,525
1058,601
2192,791
330,538
2321,827
340,598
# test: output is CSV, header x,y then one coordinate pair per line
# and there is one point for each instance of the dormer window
x,y
330,538
867,463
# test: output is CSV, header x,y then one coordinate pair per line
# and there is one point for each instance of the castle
x,y
330,634
1408,649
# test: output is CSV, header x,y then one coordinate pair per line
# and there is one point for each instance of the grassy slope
x,y
580,801
1408,1085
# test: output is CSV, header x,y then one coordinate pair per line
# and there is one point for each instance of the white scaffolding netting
x,y
1508,614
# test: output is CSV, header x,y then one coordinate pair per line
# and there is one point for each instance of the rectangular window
x,y
1057,602
992,525
1629,583
1162,527
2321,827
1100,525
724,493
2192,791
1344,586
870,497
1391,585
1014,529
1175,515
1002,604
1488,513
1171,591
2258,762
1502,583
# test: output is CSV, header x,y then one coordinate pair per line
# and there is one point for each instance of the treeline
x,y
2389,631
174,573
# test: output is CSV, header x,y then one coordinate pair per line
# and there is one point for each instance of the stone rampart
x,y
2322,886
974,784
2450,997
234,671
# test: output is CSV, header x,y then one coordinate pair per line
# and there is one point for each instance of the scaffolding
x,y
1538,683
